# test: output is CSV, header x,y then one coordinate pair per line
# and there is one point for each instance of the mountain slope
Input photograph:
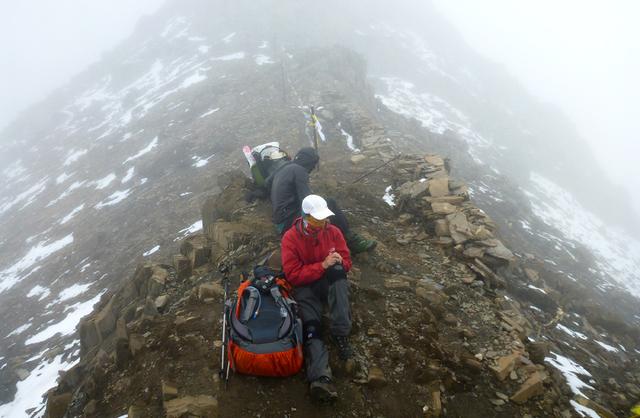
x,y
113,168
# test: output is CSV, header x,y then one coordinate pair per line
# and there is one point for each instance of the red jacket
x,y
304,251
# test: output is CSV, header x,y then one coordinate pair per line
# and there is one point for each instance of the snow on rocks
x,y
104,182
19,330
349,139
75,185
14,170
143,151
27,197
73,156
388,197
607,347
230,57
114,198
191,229
227,39
15,273
617,253
38,290
263,59
570,332
151,251
201,162
63,177
570,369
71,214
28,391
128,176
71,292
67,325
209,112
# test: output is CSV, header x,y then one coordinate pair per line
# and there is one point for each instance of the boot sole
x,y
319,394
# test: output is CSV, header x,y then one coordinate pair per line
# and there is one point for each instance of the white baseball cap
x,y
316,206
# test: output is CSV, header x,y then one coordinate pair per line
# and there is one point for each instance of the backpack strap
x,y
241,289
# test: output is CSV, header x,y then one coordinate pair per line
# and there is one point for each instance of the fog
x,y
44,43
581,56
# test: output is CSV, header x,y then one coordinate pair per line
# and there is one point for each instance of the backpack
x,y
265,331
264,160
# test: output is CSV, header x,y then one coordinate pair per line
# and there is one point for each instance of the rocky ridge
x,y
199,129
436,310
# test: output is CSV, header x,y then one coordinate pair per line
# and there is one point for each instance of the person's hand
x,y
337,254
331,260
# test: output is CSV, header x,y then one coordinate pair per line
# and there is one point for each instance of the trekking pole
x,y
377,168
314,122
224,361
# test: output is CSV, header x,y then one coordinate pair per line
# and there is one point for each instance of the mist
x,y
481,155
581,56
43,44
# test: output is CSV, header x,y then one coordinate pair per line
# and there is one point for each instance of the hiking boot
x,y
322,390
344,348
357,244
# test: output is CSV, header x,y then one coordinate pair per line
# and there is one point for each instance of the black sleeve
x,y
301,181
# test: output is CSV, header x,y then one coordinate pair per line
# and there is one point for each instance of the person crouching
x,y
316,259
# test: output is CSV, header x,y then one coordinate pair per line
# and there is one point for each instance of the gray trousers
x,y
332,289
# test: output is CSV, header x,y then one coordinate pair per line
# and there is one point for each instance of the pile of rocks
x,y
443,204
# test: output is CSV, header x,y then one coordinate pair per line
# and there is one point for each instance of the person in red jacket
x,y
316,259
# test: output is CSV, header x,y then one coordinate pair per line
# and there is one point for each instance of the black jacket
x,y
289,185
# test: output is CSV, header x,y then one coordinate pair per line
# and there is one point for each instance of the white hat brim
x,y
322,214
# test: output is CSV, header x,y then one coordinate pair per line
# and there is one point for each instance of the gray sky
x,y
582,55
45,42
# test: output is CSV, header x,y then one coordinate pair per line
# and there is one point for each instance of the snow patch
x,y
572,333
38,290
229,37
62,178
617,253
607,347
128,176
201,162
73,156
12,275
71,214
191,229
71,292
209,112
151,251
349,139
530,286
570,371
193,79
143,151
105,181
230,57
114,198
14,170
263,59
29,391
66,326
388,197
28,195
19,330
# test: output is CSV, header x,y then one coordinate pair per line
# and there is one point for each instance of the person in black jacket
x,y
289,185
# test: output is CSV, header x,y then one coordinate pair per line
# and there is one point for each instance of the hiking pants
x,y
339,219
331,289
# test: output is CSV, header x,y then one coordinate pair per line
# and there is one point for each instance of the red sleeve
x,y
342,249
298,273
